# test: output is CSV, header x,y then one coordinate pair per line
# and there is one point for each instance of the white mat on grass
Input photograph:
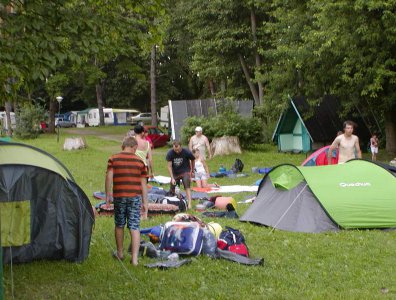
x,y
234,189
160,179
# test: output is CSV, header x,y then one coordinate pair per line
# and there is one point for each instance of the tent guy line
x,y
286,211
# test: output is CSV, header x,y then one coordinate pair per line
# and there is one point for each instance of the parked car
x,y
131,115
60,122
157,136
142,118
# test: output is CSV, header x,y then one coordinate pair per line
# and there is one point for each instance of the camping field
x,y
355,264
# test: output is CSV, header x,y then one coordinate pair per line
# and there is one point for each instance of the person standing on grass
x,y
144,149
347,143
200,142
126,184
374,146
181,163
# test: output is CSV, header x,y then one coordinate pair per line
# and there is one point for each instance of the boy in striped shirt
x,y
126,184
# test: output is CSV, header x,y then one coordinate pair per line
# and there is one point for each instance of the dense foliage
x,y
262,50
28,118
249,130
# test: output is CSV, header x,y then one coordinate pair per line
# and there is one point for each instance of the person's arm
x,y
191,159
190,144
206,167
108,186
208,147
144,198
192,166
173,182
150,162
357,147
330,152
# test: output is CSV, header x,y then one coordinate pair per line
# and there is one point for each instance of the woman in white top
x,y
144,149
201,170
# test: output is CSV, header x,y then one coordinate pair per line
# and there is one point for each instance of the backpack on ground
x,y
232,240
237,166
184,238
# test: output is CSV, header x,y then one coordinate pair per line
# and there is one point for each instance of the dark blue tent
x,y
44,214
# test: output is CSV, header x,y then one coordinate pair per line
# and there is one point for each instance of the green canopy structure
x,y
357,194
44,214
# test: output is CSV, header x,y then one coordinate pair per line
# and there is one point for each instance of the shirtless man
x,y
347,144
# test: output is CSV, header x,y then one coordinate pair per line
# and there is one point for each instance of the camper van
x,y
3,121
82,117
71,116
93,116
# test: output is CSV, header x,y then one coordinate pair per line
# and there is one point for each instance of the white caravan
x,y
3,120
93,116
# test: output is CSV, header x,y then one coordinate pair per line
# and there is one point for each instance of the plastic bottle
x,y
222,169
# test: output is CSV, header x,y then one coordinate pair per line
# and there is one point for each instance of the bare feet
x,y
117,255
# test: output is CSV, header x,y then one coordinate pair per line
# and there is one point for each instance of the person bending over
x,y
181,163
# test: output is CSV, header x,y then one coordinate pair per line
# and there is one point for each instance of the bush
x,y
28,118
248,130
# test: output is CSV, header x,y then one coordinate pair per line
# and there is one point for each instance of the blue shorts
x,y
127,208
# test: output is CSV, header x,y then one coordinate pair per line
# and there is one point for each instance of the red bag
x,y
240,249
233,240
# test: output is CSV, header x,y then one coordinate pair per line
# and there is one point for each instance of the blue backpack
x,y
184,238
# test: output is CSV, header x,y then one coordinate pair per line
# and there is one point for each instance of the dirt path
x,y
111,137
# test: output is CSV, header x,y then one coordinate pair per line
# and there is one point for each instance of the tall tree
x,y
225,43
342,47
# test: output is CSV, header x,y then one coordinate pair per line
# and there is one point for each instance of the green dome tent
x,y
44,214
357,194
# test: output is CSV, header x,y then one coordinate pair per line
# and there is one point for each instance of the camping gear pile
x,y
187,235
160,202
237,167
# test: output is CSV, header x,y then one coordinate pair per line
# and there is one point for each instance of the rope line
x,y
284,214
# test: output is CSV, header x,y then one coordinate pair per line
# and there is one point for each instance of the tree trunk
x,y
52,109
253,89
99,99
153,86
223,86
390,130
253,22
212,88
8,106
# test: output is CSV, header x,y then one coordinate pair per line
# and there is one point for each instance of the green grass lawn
x,y
343,265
